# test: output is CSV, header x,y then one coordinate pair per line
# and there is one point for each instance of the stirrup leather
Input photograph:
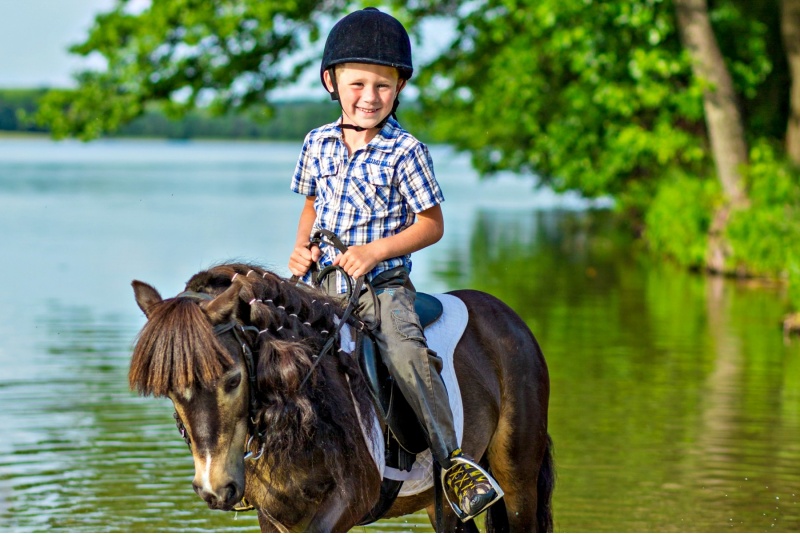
x,y
461,462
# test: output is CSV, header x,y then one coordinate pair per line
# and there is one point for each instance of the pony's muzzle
x,y
223,498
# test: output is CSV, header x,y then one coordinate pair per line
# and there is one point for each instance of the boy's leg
x,y
415,367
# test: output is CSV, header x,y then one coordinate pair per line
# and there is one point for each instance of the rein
x,y
326,237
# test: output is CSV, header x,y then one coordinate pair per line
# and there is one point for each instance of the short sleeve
x,y
418,183
304,179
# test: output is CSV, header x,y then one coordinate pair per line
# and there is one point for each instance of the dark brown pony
x,y
298,417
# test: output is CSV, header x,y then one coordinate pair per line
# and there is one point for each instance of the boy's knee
x,y
406,326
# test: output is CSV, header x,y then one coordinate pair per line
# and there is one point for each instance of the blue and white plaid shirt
x,y
376,193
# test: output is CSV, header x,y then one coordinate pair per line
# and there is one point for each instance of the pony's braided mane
x,y
294,322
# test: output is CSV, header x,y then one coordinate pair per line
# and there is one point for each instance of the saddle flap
x,y
390,402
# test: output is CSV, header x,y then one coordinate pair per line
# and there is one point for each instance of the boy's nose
x,y
371,94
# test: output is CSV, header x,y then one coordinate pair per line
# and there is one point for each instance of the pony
x,y
274,420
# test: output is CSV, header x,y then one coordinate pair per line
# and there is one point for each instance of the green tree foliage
x,y
223,54
583,94
765,238
592,96
677,227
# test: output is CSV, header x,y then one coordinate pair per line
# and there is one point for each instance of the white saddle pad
x,y
442,337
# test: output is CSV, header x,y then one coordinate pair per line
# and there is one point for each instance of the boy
x,y
371,183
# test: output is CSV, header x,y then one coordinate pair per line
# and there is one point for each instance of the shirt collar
x,y
387,137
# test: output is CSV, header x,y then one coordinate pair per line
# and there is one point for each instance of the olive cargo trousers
x,y
414,366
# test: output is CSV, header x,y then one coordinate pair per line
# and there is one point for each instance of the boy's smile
x,y
366,92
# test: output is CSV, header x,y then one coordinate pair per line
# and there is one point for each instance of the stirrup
x,y
463,515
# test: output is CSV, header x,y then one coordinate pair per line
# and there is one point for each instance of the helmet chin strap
x,y
335,96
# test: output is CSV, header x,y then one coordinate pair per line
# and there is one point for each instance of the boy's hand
x,y
302,257
358,260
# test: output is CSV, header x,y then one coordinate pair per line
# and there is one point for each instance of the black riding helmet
x,y
367,36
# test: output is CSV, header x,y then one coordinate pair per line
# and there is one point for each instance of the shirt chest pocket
x,y
328,178
370,188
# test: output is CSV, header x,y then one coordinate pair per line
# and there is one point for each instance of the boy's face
x,y
366,92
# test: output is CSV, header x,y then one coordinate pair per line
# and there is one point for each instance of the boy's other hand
x,y
302,257
358,260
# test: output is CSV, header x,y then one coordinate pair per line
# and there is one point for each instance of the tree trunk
x,y
790,30
723,118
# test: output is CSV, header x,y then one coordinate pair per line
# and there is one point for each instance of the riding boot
x,y
473,489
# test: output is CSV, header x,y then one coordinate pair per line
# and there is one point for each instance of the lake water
x,y
675,400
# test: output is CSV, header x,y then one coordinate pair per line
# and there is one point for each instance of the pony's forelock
x,y
176,350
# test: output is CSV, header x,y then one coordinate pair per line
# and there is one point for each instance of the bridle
x,y
238,331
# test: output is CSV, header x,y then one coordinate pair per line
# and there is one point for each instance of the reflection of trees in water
x,y
747,446
674,406
100,459
529,256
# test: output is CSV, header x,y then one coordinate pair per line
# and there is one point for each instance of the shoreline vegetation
x,y
290,121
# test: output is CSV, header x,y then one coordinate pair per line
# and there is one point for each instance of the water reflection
x,y
674,399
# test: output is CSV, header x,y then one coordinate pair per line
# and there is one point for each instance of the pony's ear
x,y
222,308
146,296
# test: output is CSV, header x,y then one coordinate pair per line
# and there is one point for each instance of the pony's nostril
x,y
230,492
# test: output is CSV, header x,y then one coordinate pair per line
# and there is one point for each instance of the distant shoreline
x,y
18,134
45,136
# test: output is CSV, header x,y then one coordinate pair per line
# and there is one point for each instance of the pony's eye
x,y
233,383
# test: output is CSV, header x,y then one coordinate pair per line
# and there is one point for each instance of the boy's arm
x,y
426,230
302,257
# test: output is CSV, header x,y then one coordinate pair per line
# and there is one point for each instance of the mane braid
x,y
294,323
